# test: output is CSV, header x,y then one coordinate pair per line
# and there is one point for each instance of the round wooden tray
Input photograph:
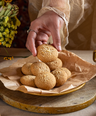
x,y
66,103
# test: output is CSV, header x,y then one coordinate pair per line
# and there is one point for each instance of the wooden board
x,y
52,104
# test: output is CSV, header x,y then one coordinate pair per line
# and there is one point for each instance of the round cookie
x,y
46,53
28,80
67,71
45,81
55,64
39,67
26,69
60,75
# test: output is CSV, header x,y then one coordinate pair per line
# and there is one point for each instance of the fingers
x,y
56,38
54,27
56,33
41,38
30,44
38,43
34,40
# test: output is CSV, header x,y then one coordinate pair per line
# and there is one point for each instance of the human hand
x,y
49,24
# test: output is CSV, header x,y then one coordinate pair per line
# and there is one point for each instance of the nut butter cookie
x,y
60,75
46,53
55,64
28,80
26,69
39,67
45,81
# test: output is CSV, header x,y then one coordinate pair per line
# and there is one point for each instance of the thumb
x,y
56,38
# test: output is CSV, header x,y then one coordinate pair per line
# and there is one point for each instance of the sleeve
x,y
62,8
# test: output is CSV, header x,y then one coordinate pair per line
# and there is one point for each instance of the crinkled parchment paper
x,y
82,72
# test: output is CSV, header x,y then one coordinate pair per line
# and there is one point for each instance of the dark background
x,y
20,38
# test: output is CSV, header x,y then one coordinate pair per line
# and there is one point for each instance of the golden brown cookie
x,y
46,53
60,75
67,71
45,81
26,69
55,64
39,67
28,80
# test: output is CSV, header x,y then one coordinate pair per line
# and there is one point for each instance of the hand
x,y
49,24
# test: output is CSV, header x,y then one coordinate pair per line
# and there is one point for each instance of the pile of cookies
x,y
46,74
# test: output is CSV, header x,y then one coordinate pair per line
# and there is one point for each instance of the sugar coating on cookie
x,y
39,67
45,81
28,80
26,69
67,71
60,75
46,53
55,64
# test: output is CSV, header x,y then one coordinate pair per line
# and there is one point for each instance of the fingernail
x,y
59,48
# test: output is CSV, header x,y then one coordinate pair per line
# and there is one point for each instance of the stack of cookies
x,y
46,74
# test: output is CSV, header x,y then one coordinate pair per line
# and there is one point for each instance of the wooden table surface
x,y
17,53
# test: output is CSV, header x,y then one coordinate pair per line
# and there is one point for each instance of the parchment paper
x,y
82,72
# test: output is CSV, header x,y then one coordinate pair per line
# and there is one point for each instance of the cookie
x,y
45,81
55,64
60,75
26,69
67,71
46,53
28,80
39,67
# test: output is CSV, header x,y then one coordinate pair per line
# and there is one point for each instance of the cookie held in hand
x,y
46,53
